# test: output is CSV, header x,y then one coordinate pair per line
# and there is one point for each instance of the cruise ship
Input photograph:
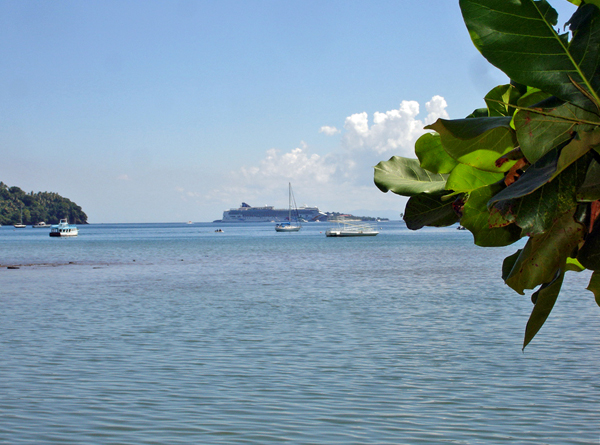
x,y
247,213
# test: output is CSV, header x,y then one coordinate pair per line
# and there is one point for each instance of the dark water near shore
x,y
174,334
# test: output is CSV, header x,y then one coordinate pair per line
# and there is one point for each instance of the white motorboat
x,y
64,229
345,228
42,225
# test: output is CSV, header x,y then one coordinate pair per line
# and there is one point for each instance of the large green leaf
x,y
477,142
405,176
542,130
536,212
429,209
544,299
432,155
544,254
465,178
476,219
519,37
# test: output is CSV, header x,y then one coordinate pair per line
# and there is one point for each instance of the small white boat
x,y
64,229
289,225
20,225
352,229
41,225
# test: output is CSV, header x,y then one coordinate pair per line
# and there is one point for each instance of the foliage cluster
x,y
31,208
527,165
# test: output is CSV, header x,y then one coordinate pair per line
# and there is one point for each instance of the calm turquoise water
x,y
174,334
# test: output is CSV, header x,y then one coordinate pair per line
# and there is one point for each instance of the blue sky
x,y
159,111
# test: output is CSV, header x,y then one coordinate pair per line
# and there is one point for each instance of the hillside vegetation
x,y
30,208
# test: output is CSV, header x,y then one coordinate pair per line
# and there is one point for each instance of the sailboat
x,y
289,226
20,225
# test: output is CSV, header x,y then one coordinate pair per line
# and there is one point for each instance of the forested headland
x,y
30,208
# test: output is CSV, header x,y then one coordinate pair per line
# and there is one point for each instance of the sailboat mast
x,y
290,202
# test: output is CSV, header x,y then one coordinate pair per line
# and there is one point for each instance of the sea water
x,y
176,334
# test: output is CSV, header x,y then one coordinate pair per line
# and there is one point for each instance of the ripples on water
x,y
253,337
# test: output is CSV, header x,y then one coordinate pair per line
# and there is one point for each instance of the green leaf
x,y
509,262
429,209
405,177
465,178
590,189
574,265
540,131
589,253
476,219
578,147
534,96
479,112
536,212
500,99
431,154
544,298
551,165
477,142
594,286
544,254
519,37
532,179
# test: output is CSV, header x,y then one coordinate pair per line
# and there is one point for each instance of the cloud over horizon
x,y
344,174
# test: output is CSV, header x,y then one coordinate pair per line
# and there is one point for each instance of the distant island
x,y
336,216
17,206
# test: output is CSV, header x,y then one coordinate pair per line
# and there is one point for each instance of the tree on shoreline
x,y
527,165
31,208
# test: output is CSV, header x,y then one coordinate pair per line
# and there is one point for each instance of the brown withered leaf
x,y
515,172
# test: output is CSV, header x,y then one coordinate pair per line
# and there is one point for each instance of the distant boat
x,y
351,229
64,229
41,225
20,225
293,223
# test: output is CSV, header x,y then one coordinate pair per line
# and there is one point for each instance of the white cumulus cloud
x,y
343,178
393,131
298,164
328,131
